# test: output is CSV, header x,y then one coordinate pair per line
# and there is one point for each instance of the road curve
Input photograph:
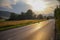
x,y
38,31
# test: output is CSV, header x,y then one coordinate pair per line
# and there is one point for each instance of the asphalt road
x,y
38,31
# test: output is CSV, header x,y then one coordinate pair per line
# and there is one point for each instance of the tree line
x,y
28,16
23,16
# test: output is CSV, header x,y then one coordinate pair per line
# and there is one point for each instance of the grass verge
x,y
14,24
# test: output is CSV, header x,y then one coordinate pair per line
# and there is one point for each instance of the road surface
x,y
38,31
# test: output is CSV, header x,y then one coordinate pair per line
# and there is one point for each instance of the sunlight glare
x,y
37,5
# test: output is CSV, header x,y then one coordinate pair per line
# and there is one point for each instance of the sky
x,y
38,6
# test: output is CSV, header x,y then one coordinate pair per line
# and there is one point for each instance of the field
x,y
14,24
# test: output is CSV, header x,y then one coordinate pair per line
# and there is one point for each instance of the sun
x,y
37,5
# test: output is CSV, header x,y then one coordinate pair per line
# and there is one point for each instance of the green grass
x,y
14,24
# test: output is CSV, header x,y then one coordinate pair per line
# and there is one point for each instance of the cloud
x,y
15,5
13,1
50,0
20,7
8,3
5,3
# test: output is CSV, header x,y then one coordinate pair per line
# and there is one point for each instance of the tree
x,y
59,0
13,16
59,3
22,15
57,22
40,16
57,13
29,14
34,16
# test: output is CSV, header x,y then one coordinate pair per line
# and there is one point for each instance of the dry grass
x,y
14,24
8,23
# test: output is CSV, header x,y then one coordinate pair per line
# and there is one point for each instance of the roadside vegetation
x,y
14,24
57,29
57,18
